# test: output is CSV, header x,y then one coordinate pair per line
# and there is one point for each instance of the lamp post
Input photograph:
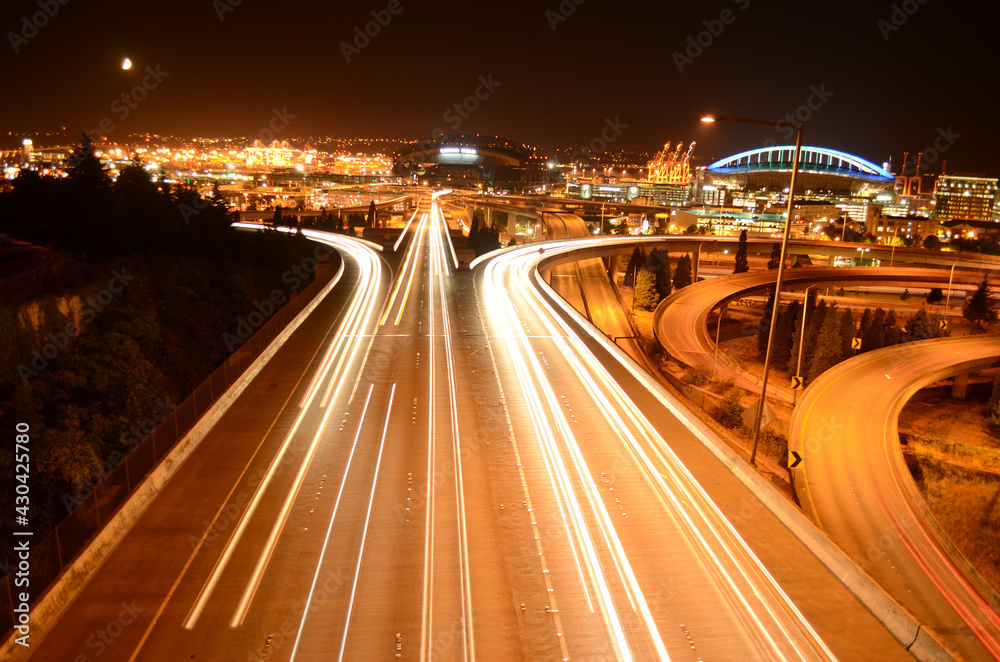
x,y
802,338
947,302
781,265
718,329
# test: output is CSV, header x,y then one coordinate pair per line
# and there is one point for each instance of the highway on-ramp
x,y
853,481
681,320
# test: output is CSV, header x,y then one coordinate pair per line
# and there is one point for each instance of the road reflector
x,y
797,383
855,343
794,459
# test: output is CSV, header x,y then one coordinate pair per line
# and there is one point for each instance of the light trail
x,y
395,247
329,528
409,264
467,631
368,517
770,625
358,317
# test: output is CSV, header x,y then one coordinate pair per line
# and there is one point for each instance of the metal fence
x,y
57,550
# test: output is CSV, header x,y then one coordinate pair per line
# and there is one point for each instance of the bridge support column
x,y
511,224
695,261
832,262
613,268
959,385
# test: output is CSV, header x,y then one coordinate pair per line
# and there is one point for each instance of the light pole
x,y
802,339
781,265
718,329
947,302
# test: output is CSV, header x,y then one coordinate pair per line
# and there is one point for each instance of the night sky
x,y
888,86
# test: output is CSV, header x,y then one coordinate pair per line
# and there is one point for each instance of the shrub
x,y
730,410
695,376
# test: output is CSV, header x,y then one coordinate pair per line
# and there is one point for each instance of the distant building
x,y
963,229
965,197
886,228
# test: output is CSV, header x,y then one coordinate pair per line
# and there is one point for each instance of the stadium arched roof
x,y
815,160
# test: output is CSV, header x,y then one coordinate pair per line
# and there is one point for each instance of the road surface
x,y
853,481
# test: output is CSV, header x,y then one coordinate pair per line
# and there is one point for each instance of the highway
x,y
327,512
853,481
681,320
436,466
601,479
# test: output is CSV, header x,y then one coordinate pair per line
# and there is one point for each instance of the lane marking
x,y
329,528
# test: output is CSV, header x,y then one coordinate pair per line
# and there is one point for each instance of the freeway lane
x,y
241,472
640,560
854,482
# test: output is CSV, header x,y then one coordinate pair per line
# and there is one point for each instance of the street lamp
x,y
802,339
781,265
951,275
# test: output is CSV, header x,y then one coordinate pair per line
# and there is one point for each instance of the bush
x,y
721,385
730,410
695,376
775,445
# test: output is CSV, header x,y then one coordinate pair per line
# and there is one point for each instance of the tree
x,y
829,350
892,332
764,326
847,331
814,324
783,334
659,264
935,296
742,263
622,227
808,310
692,229
775,258
931,242
866,321
370,220
682,274
919,327
730,410
873,335
645,296
634,262
979,308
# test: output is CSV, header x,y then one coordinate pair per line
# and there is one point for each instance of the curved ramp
x,y
853,481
